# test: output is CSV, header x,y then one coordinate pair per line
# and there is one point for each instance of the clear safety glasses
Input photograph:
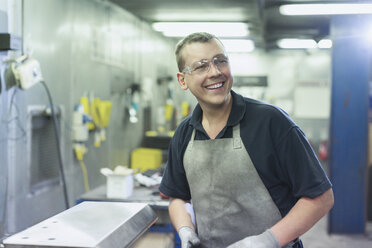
x,y
200,67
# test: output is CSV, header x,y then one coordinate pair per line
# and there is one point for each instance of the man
x,y
252,176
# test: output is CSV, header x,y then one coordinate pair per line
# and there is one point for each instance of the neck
x,y
215,119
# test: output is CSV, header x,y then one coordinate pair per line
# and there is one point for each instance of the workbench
x,y
140,194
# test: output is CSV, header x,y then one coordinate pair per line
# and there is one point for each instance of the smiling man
x,y
253,178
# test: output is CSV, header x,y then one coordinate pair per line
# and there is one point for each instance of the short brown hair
x,y
201,37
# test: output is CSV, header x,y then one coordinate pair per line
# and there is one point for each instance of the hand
x,y
266,239
188,237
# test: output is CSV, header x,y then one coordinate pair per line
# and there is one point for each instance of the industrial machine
x,y
88,224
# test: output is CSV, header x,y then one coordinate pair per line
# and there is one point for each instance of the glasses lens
x,y
200,66
220,61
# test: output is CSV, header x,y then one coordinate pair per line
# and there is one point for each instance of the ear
x,y
181,80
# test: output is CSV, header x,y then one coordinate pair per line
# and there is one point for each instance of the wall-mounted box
x,y
10,42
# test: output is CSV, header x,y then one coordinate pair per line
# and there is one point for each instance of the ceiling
x,y
266,24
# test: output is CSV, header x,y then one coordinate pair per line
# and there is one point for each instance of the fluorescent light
x,y
238,46
325,43
304,43
220,29
230,15
325,9
297,43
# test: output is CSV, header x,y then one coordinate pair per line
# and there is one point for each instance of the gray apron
x,y
229,198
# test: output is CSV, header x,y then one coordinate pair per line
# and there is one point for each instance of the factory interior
x,y
89,102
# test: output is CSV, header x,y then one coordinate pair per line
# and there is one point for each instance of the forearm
x,y
179,215
304,214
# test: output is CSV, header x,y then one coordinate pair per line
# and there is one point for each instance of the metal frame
x,y
349,124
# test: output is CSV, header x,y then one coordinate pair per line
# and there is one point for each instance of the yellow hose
x,y
85,175
79,152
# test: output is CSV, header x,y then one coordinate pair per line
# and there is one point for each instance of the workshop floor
x,y
155,240
317,237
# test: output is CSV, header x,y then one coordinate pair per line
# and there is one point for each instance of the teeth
x,y
215,86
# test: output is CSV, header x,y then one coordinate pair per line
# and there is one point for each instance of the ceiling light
x,y
238,46
325,43
325,9
220,29
297,43
226,15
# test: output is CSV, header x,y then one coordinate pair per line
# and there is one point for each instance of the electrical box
x,y
80,132
28,73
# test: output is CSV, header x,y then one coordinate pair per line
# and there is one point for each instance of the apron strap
x,y
191,142
237,144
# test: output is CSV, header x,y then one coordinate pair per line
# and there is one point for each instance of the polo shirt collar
x,y
236,114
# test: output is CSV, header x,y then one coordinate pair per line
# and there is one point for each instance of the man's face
x,y
211,88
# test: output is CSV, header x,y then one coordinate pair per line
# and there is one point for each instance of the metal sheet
x,y
89,224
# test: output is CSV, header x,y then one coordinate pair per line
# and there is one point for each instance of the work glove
x,y
266,239
189,239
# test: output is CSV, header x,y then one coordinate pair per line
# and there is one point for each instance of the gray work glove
x,y
266,239
189,238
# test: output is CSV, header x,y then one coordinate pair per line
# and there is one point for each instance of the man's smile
x,y
215,86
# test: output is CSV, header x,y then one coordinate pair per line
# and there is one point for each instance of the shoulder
x,y
261,112
256,110
265,120
183,130
184,126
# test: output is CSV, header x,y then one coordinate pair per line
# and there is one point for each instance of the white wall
x,y
14,10
298,81
4,5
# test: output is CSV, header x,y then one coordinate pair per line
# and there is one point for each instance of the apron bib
x,y
229,198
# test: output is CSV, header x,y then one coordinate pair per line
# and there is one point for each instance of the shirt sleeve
x,y
305,174
174,183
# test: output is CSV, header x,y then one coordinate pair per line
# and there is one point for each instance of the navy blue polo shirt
x,y
278,149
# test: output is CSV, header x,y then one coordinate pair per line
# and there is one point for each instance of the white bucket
x,y
119,182
119,186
